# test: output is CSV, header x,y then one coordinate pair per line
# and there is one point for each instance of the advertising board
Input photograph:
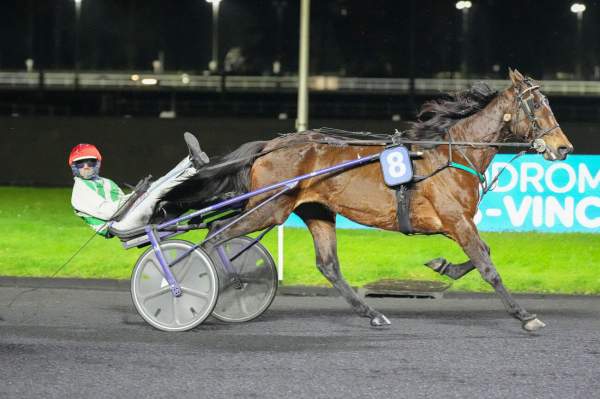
x,y
533,194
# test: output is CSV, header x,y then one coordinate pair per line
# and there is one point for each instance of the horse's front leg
x,y
445,268
454,271
466,234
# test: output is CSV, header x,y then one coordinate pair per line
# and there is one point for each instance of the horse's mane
x,y
437,116
433,120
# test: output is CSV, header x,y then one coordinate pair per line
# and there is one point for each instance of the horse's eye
x,y
537,106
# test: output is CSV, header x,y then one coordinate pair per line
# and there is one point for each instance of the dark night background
x,y
349,37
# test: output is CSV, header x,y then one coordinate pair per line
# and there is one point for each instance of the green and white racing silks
x,y
96,201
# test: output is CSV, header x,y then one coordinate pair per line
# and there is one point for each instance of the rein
x,y
396,138
342,137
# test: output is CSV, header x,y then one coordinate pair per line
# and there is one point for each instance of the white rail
x,y
332,84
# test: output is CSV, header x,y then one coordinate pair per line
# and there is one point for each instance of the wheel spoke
x,y
185,268
242,305
157,266
256,272
260,281
175,313
196,293
154,294
244,263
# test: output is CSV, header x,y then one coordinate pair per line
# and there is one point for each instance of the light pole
x,y
213,65
302,119
30,36
411,53
77,34
464,6
279,8
578,9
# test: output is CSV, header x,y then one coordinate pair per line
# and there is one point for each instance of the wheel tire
x,y
258,275
152,295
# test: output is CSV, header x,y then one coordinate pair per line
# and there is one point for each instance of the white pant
x,y
141,212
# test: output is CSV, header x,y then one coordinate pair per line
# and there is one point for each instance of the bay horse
x,y
443,203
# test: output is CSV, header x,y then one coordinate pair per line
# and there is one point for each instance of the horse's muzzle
x,y
557,154
564,150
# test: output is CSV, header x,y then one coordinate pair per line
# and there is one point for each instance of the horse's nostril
x,y
564,150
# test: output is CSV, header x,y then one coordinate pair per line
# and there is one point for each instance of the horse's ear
x,y
515,76
518,75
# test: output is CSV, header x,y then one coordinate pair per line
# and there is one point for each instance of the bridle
x,y
525,101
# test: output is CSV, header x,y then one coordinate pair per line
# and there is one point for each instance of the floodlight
x,y
463,5
577,8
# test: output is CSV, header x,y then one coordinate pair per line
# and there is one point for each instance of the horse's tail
x,y
233,170
223,175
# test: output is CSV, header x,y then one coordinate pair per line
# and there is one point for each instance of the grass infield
x,y
39,232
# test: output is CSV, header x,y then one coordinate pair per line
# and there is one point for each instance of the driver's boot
x,y
197,156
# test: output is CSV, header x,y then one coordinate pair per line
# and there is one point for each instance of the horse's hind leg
x,y
321,223
467,236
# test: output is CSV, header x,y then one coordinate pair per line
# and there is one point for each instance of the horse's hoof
x,y
380,321
533,325
437,264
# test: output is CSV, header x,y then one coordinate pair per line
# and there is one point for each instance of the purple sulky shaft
x,y
168,275
220,205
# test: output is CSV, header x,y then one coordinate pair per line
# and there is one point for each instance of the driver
x,y
97,199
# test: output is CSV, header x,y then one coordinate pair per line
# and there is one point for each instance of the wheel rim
x,y
258,276
152,296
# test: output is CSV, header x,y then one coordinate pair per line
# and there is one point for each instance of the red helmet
x,y
84,151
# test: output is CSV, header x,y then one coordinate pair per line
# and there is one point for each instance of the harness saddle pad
x,y
396,165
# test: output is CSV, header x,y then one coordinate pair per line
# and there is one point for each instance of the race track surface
x,y
74,343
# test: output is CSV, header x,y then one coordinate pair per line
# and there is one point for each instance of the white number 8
x,y
396,166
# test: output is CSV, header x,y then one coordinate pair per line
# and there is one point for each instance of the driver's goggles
x,y
89,162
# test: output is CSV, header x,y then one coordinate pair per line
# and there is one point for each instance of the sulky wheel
x,y
258,278
152,295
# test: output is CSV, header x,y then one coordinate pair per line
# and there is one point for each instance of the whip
x,y
57,270
140,188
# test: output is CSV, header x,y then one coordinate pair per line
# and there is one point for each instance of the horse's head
x,y
533,120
